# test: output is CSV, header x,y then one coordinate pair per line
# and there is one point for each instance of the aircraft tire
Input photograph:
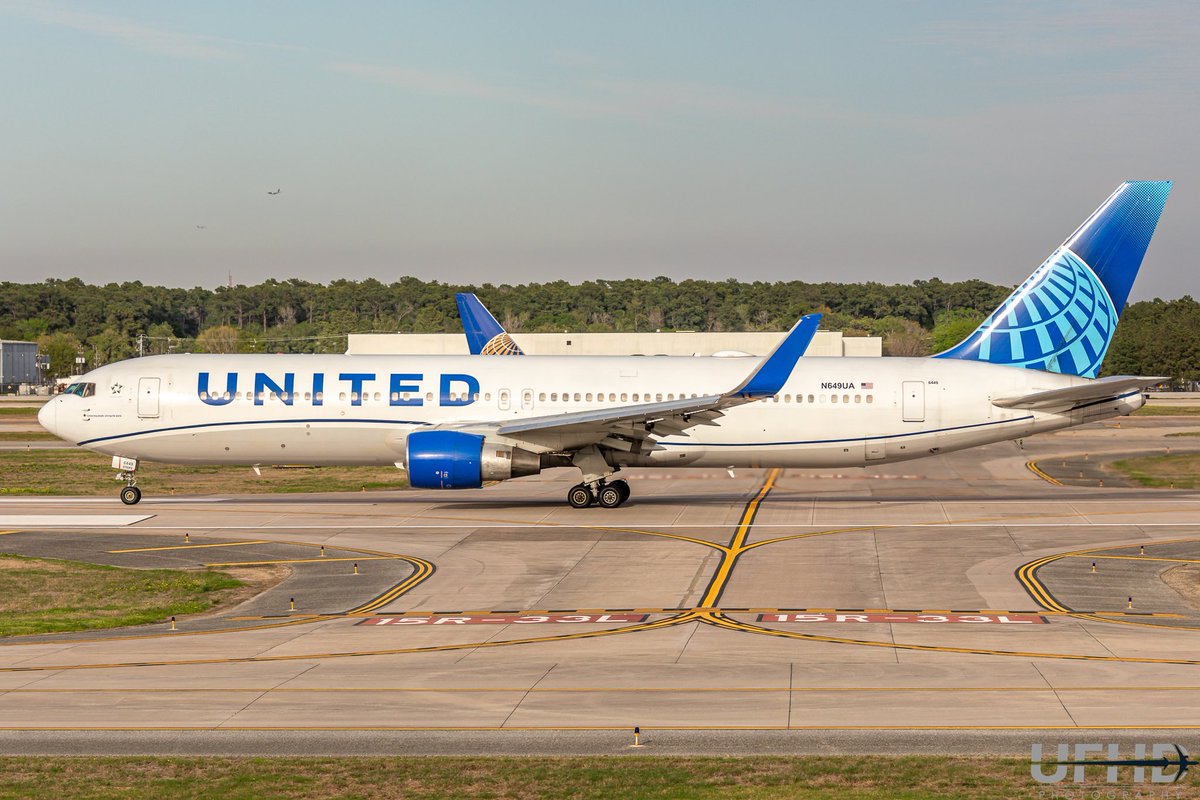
x,y
130,495
622,487
580,496
610,496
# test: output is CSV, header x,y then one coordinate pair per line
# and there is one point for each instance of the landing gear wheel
x,y
130,495
622,487
580,496
609,496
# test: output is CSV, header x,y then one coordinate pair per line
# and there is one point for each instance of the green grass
x,y
79,472
1181,470
592,778
40,595
19,411
1152,410
28,436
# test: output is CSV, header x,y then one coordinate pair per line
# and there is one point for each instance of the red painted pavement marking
x,y
530,619
974,619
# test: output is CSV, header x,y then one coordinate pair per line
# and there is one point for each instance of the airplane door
x,y
526,399
502,399
913,401
147,404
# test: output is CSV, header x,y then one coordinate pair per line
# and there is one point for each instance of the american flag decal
x,y
867,385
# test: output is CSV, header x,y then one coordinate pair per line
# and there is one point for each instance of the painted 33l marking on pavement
x,y
973,619
493,619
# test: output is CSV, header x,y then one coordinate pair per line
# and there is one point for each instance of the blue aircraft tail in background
x,y
1062,318
484,334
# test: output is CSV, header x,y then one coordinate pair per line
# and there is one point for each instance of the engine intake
x,y
457,460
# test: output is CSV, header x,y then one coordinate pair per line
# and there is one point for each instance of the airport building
x,y
18,364
679,343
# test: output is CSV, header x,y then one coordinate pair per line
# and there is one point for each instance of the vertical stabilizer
x,y
1062,318
485,336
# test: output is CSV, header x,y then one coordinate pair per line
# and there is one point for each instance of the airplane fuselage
x,y
359,410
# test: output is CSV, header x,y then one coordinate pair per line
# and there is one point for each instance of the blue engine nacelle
x,y
445,460
458,460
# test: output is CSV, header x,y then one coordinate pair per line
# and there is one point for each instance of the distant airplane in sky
x,y
454,422
277,191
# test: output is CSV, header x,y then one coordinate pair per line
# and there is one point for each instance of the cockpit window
x,y
81,389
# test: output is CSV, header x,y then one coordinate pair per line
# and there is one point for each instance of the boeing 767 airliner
x,y
454,422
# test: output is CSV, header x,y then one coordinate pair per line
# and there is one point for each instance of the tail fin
x,y
484,334
1062,318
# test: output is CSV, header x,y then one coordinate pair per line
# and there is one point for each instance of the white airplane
x,y
454,422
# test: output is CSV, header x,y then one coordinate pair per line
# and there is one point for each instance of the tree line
x,y
118,320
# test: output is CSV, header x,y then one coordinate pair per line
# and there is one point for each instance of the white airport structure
x,y
680,343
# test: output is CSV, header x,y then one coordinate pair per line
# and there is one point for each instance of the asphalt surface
x,y
941,606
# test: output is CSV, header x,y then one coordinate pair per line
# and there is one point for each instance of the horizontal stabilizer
x,y
1071,396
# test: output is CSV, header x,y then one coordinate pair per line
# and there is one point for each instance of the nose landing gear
x,y
131,494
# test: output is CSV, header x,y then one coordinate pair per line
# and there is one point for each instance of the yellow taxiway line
x,y
1036,470
188,546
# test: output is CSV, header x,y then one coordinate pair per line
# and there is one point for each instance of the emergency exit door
x,y
913,406
147,402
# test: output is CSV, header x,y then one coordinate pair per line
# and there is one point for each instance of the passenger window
x,y
203,395
541,397
823,398
671,396
487,397
624,397
588,397
833,398
476,397
554,397
396,396
810,398
845,398
858,398
870,399
577,397
227,397
319,397
612,397
429,397
341,395
308,396
377,397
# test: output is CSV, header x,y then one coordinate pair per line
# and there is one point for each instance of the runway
x,y
946,600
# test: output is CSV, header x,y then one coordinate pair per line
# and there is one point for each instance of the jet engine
x,y
458,460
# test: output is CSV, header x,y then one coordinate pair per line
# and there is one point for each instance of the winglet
x,y
485,336
776,368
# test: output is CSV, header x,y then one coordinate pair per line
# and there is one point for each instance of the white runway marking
x,y
617,527
103,501
70,520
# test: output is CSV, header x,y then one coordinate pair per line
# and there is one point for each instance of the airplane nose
x,y
48,416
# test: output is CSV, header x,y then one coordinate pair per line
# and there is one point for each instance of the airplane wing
x,y
627,427
1071,396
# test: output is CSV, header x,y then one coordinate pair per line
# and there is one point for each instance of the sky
x,y
537,141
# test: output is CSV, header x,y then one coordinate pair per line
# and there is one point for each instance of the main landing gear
x,y
605,494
